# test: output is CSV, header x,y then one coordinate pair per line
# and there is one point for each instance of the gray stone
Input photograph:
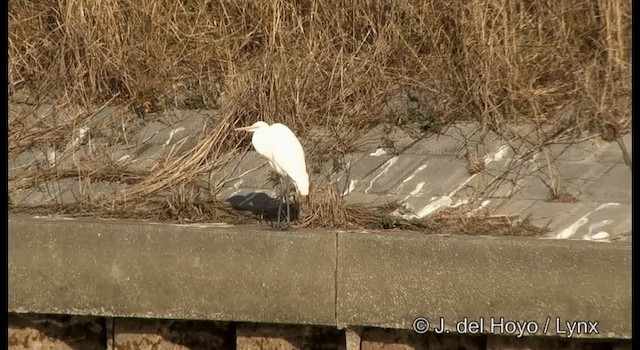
x,y
550,214
194,122
503,206
66,191
29,160
586,151
437,144
362,165
153,133
369,200
423,206
433,176
591,221
345,172
614,152
529,181
250,171
612,186
63,191
459,139
388,138
388,175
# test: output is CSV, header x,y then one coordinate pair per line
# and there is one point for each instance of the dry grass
x,y
325,208
328,63
320,64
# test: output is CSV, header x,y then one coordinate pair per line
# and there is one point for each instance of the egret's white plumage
x,y
283,150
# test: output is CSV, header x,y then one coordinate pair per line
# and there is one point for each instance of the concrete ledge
x,y
133,269
170,271
389,280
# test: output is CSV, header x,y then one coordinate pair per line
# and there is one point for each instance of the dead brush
x,y
26,129
320,64
210,153
312,63
186,203
456,221
324,207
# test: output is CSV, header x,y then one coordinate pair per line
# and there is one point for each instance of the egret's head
x,y
254,127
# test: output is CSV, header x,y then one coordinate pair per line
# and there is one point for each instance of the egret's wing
x,y
288,155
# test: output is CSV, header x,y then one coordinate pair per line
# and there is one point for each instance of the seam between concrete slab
x,y
378,167
335,280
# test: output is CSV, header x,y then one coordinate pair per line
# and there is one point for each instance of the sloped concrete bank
x,y
468,285
563,185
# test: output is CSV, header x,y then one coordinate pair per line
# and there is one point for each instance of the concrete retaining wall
x,y
387,280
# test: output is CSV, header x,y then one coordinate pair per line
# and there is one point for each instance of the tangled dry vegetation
x,y
317,64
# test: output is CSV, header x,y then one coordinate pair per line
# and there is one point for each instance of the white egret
x,y
284,152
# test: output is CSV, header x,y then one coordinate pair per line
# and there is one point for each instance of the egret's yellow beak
x,y
246,128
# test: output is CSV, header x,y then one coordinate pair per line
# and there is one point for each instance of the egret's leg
x,y
287,201
279,209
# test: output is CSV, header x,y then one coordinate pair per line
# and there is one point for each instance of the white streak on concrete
x,y
205,225
458,203
234,193
172,133
499,155
573,228
378,152
53,217
441,202
52,157
82,132
352,185
123,158
600,236
415,191
462,185
605,205
447,201
388,164
598,225
484,203
420,168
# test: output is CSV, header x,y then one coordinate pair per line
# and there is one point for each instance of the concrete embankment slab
x,y
576,186
390,280
170,271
